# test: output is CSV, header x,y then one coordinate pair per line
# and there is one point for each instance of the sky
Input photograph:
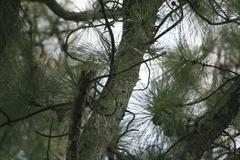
x,y
82,4
169,40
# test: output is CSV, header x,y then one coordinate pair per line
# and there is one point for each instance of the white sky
x,y
82,4
168,40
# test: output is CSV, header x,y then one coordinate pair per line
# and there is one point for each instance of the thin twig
x,y
129,68
233,20
128,125
5,115
234,143
212,66
211,94
51,136
65,46
216,145
169,28
172,146
49,141
219,156
83,16
148,81
113,48
164,20
215,10
34,113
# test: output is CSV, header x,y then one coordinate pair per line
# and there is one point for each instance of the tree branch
x,y
130,67
211,125
56,8
169,28
234,143
101,130
175,10
108,26
5,115
210,22
51,136
80,104
33,114
49,140
211,94
212,66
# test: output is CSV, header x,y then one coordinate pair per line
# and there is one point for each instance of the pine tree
x,y
69,86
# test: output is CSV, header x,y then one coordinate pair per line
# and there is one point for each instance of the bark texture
x,y
104,123
80,104
210,126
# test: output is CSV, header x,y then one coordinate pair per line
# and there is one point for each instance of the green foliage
x,y
150,153
181,68
32,79
165,109
233,7
181,79
28,90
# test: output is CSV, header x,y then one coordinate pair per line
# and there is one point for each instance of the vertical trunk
x,y
103,124
80,104
9,21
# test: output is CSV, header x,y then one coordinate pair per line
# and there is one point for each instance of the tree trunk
x,y
210,126
9,21
104,123
79,106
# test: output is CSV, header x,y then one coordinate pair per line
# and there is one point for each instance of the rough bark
x,y
104,123
210,126
80,104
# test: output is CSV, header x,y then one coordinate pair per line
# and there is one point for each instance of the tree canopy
x,y
119,80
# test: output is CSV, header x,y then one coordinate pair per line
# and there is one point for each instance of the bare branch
x,y
49,140
128,125
234,143
113,48
211,125
130,67
164,20
169,28
175,144
226,21
5,115
211,94
34,113
212,66
74,16
51,136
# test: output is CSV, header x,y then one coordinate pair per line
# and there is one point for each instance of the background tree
x,y
67,78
